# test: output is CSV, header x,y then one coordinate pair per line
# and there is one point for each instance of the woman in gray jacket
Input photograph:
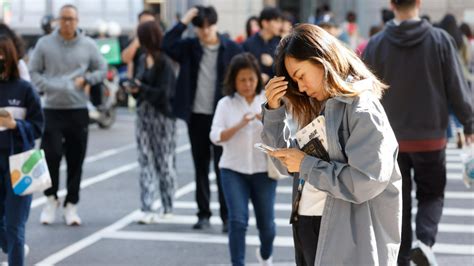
x,y
347,205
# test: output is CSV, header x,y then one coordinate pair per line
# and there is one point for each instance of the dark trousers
x,y
14,212
430,178
199,127
305,238
65,133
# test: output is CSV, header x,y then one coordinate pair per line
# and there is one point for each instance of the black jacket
x,y
257,46
157,84
188,53
421,66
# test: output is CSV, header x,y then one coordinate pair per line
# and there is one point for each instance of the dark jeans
x,y
199,127
305,238
14,211
65,133
430,179
238,189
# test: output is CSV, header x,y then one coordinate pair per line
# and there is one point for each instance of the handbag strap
x,y
26,136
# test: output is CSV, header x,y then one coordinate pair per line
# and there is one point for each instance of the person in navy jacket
x,y
20,109
203,60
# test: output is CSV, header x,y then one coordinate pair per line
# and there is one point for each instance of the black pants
x,y
65,133
305,237
430,179
199,127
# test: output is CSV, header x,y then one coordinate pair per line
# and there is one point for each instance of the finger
x,y
270,93
275,83
275,79
277,95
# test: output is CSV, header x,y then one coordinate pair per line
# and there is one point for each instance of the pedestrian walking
x,y
237,127
155,124
263,44
62,66
20,109
347,201
421,65
203,61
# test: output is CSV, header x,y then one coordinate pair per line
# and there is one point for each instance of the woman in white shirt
x,y
237,127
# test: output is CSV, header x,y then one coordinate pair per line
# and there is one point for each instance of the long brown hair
x,y
8,50
310,42
150,37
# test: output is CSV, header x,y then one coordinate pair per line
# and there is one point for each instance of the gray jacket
x,y
55,63
361,221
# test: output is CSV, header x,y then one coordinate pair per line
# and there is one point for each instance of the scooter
x,y
102,106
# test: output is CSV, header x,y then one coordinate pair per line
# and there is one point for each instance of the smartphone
x,y
263,147
4,112
130,83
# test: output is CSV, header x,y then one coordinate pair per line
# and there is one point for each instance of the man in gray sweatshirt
x,y
62,66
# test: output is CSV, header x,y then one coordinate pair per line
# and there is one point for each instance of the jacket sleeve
x,y
460,95
218,123
174,46
37,66
371,151
275,132
97,67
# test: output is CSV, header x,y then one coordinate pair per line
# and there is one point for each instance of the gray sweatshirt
x,y
55,63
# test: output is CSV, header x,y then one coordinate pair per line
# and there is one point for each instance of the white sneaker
x,y
423,255
148,218
48,214
26,250
70,215
168,215
267,262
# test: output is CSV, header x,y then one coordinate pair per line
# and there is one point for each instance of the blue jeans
x,y
14,211
238,189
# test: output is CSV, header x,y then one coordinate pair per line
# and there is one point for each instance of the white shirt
x,y
312,201
23,69
239,153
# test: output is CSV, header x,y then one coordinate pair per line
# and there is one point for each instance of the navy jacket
x,y
188,53
257,46
20,96
421,66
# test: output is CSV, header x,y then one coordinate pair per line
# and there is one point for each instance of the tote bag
x,y
28,170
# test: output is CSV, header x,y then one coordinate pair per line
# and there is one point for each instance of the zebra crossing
x,y
455,237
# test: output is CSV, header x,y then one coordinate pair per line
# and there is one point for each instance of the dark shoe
x,y
422,255
202,223
225,227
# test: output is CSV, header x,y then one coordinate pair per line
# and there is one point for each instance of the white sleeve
x,y
23,69
218,123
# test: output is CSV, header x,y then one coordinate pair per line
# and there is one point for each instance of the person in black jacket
x,y
20,109
421,66
155,124
203,62
263,44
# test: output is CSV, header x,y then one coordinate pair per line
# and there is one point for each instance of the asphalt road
x,y
110,201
